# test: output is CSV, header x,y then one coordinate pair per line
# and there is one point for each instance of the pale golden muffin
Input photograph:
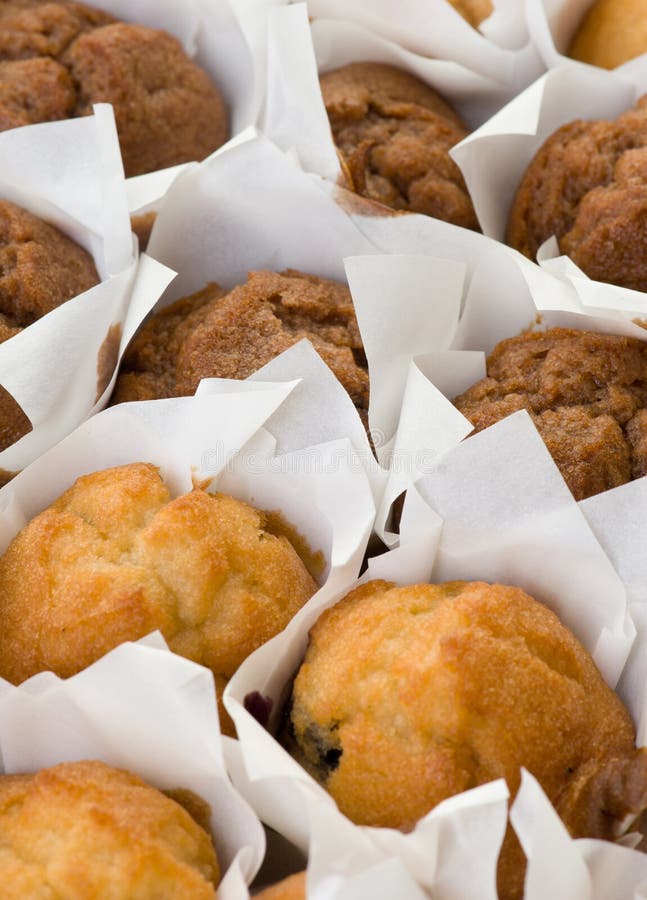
x,y
475,11
115,558
409,695
611,33
587,185
394,133
215,334
82,830
292,888
59,58
586,394
40,268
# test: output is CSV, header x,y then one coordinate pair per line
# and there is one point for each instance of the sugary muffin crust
x,y
587,186
587,395
59,58
393,133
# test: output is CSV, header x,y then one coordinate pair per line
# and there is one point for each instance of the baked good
x,y
142,226
115,558
611,33
59,58
40,268
475,11
292,888
586,393
409,695
215,334
81,830
393,133
587,186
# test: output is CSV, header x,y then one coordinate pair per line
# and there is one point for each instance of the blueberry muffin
x,y
131,840
215,334
587,185
115,558
611,33
410,695
586,394
393,134
59,58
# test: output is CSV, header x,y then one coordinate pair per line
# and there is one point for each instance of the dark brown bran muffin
x,y
393,133
59,58
587,186
215,334
587,395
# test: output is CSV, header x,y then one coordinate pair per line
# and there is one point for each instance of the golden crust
x,y
80,830
407,696
475,11
115,558
611,33
292,888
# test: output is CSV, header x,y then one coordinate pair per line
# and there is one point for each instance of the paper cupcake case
x,y
494,158
494,509
60,368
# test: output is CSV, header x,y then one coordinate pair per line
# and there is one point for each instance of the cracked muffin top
x,y
409,695
115,558
587,185
215,334
586,394
59,58
134,841
611,33
40,268
393,133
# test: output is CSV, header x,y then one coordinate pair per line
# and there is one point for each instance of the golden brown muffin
x,y
394,133
409,695
586,394
81,830
475,11
59,58
587,186
115,558
142,225
292,888
212,334
611,33
40,268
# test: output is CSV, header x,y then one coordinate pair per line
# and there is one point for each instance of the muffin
x,y
611,33
215,334
410,695
393,134
115,558
59,58
84,829
292,888
40,268
586,394
587,185
475,11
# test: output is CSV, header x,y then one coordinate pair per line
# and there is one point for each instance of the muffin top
x,y
133,841
586,393
214,334
393,133
611,33
115,558
409,695
59,58
587,185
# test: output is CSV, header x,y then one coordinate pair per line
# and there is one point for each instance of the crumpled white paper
x,y
142,709
70,174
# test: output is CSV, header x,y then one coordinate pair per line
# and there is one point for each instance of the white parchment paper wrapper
x,y
59,368
143,709
495,157
295,117
553,25
475,515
